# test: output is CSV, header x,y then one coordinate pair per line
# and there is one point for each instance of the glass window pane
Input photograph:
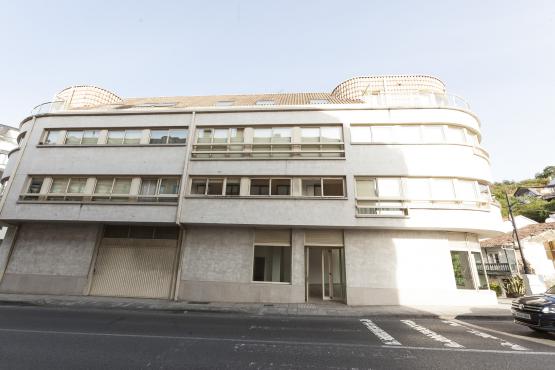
x,y
466,190
35,185
159,136
455,135
260,187
215,186
76,185
461,269
272,264
407,134
482,281
331,134
52,137
365,188
90,137
361,134
281,187
310,134
169,186
232,186
432,134
262,135
236,135
472,139
133,137
178,136
281,135
103,186
220,135
59,185
74,137
333,187
115,136
418,189
122,186
204,136
382,134
148,186
389,187
166,232
311,187
485,194
442,189
198,186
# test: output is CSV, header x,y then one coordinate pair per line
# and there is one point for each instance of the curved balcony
x,y
48,107
415,100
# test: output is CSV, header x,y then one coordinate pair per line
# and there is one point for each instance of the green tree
x,y
547,173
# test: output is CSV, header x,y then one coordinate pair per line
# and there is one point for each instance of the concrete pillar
x,y
245,186
145,138
61,137
103,137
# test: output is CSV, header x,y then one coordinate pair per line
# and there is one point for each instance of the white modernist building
x,y
375,193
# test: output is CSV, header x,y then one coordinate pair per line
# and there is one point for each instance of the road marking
x,y
380,333
432,334
275,342
545,342
504,343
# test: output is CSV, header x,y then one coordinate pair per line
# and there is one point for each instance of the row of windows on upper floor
x,y
391,196
267,142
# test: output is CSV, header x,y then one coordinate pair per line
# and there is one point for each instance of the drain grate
x,y
198,302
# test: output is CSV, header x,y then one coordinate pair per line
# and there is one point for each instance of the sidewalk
x,y
498,312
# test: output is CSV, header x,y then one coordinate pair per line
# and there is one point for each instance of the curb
x,y
252,311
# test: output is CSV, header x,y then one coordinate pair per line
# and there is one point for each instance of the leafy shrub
x,y
496,288
514,287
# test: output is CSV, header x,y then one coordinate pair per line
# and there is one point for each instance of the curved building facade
x,y
376,193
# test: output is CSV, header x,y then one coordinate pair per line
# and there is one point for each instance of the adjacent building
x,y
375,193
8,136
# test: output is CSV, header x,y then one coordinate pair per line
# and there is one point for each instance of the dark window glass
x,y
116,231
166,232
178,136
141,232
260,187
272,264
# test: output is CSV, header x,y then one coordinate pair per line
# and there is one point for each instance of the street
x,y
40,337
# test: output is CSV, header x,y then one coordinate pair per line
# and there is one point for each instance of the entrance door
x,y
325,273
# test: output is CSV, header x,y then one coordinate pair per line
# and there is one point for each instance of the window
x,y
52,137
115,189
132,137
407,134
35,184
168,136
319,101
260,187
455,135
361,134
115,137
90,137
465,190
159,136
178,136
331,187
198,186
462,270
161,190
485,195
366,188
232,186
432,134
310,134
382,134
215,187
442,189
272,256
418,189
482,280
73,137
389,187
280,187
265,102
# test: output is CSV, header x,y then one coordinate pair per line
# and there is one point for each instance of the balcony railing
x,y
416,100
268,150
496,268
48,107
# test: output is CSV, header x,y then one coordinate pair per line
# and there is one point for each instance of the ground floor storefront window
x,y
465,278
272,256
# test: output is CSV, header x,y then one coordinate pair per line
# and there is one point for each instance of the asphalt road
x,y
51,338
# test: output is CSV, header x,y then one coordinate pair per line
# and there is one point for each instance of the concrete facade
x,y
397,240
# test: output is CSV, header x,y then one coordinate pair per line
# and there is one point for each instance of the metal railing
x,y
268,150
495,268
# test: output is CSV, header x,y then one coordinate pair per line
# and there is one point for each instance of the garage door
x,y
127,267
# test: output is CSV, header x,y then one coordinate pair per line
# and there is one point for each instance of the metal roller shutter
x,y
134,268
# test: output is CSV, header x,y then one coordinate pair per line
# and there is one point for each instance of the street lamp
x,y
510,206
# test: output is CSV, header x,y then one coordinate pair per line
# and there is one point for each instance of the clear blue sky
x,y
499,55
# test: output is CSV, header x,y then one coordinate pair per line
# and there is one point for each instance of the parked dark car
x,y
536,311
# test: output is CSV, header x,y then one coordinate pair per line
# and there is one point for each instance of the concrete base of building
x,y
211,291
43,284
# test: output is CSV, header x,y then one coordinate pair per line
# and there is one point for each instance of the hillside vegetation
x,y
534,208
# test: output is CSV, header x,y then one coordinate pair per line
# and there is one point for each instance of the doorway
x,y
325,274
